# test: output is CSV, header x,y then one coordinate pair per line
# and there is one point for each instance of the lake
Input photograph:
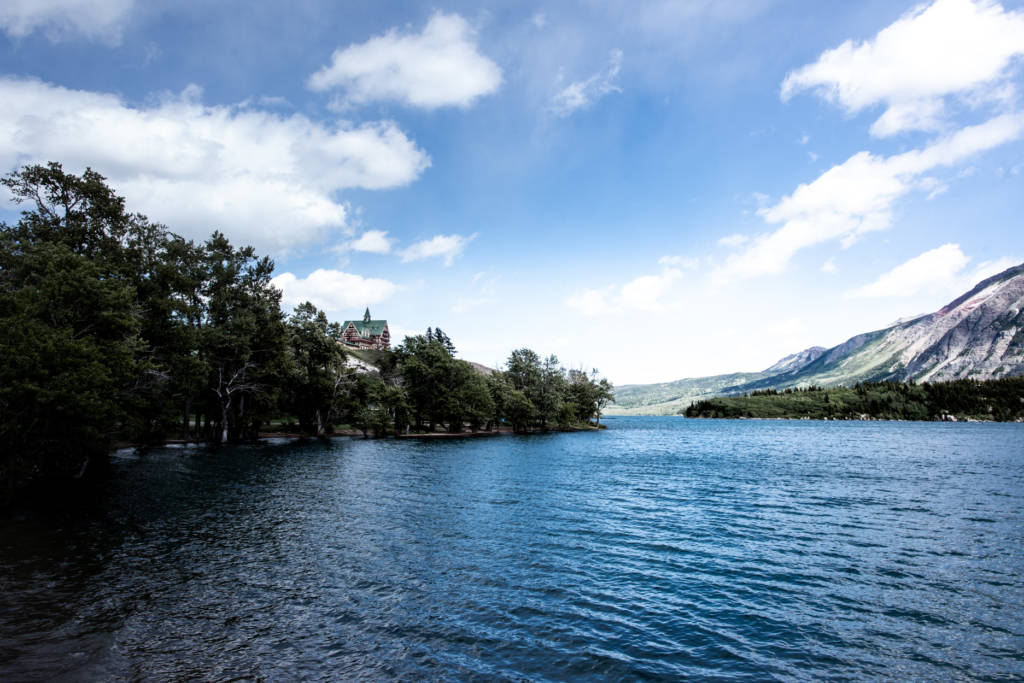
x,y
659,549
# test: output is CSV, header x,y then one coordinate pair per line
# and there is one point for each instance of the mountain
x,y
979,335
795,361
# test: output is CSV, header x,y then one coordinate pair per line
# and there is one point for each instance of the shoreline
x,y
946,418
354,433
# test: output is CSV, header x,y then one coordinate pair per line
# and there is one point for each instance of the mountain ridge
x,y
978,335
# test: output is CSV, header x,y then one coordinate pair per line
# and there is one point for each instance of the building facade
x,y
366,333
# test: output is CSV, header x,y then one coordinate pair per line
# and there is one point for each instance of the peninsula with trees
x,y
115,329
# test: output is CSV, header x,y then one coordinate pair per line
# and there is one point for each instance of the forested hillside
x,y
1000,400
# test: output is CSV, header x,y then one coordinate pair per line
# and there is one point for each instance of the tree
x,y
550,391
73,359
317,376
245,338
425,366
468,398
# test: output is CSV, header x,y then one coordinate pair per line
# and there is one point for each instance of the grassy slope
x,y
668,398
862,362
369,356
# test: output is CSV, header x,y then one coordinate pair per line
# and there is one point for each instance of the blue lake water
x,y
659,549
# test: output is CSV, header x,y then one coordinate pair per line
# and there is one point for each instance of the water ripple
x,y
661,549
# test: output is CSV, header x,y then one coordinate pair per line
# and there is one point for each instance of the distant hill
x,y
999,400
979,335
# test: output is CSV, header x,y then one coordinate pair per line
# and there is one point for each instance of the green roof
x,y
367,329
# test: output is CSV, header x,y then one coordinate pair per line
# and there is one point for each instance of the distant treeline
x,y
998,400
114,328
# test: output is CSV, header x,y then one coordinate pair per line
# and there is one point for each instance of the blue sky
x,y
656,189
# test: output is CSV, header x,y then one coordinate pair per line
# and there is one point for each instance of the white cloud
x,y
688,262
539,20
857,196
274,101
967,172
733,240
100,20
436,68
760,198
447,246
962,48
580,94
936,269
333,290
263,178
591,301
372,241
984,270
829,266
644,293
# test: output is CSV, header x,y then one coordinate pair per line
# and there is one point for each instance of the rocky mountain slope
x,y
979,335
795,361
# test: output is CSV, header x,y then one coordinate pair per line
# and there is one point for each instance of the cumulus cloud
x,y
263,178
581,94
645,293
444,246
333,290
100,20
934,269
857,197
372,241
959,48
439,67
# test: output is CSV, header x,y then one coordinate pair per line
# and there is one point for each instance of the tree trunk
x,y
224,422
241,407
186,426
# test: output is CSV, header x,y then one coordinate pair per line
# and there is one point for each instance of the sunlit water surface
x,y
662,548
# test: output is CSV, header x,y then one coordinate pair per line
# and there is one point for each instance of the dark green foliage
x,y
70,322
317,383
542,393
999,400
113,328
436,335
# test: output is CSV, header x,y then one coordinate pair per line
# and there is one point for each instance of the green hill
x,y
992,400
